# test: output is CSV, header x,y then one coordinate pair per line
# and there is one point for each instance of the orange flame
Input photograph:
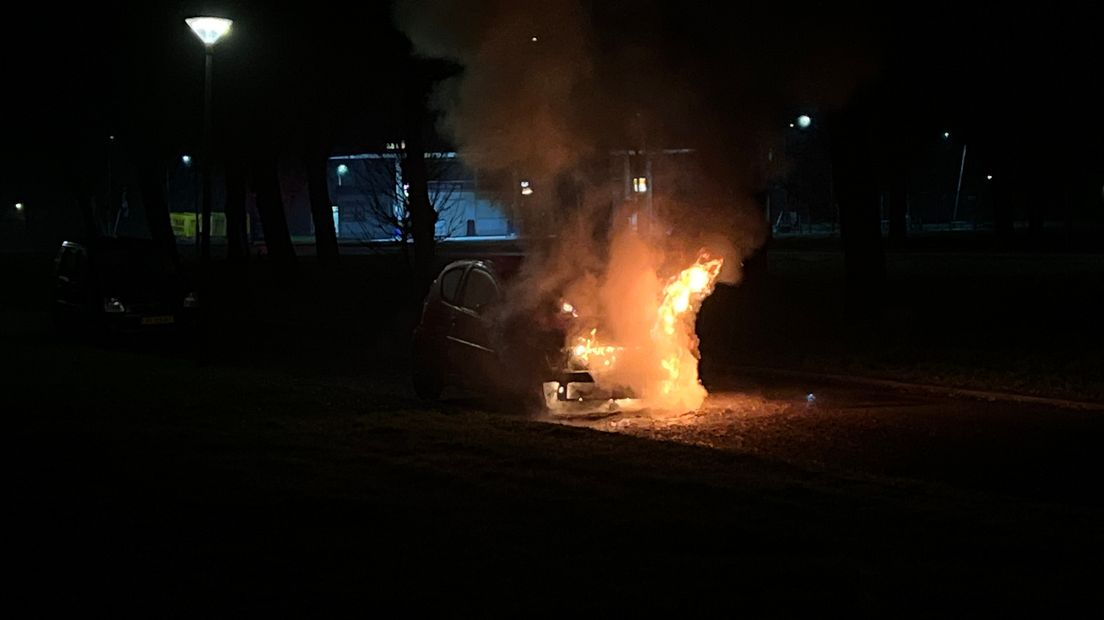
x,y
669,380
587,353
674,336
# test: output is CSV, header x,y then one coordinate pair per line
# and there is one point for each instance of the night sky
x,y
1022,84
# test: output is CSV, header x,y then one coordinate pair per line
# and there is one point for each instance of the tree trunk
x,y
88,216
416,175
897,197
270,204
155,203
1003,209
237,244
1042,198
856,190
325,237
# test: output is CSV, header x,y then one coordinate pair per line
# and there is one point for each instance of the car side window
x,y
80,263
66,263
450,284
480,290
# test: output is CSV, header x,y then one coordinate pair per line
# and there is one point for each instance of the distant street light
x,y
19,207
988,177
946,135
804,121
186,160
209,30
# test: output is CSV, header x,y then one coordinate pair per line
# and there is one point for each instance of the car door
x,y
438,318
71,285
471,336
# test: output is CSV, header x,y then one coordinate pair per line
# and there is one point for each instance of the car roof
x,y
502,269
113,243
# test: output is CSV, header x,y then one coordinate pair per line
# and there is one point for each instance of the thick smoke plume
x,y
576,98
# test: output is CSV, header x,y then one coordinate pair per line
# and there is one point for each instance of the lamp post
x,y
209,30
958,184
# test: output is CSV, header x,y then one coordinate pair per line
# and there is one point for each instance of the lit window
x,y
640,184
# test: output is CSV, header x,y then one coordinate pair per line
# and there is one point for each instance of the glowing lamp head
x,y
186,160
342,170
19,206
804,121
209,29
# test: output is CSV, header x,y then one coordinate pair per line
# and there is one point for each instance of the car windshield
x,y
132,267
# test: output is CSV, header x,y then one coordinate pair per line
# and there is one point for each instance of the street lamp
x,y
804,121
209,30
186,160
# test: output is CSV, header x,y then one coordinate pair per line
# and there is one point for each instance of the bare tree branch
x,y
385,213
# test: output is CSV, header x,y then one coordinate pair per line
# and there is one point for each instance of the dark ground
x,y
292,470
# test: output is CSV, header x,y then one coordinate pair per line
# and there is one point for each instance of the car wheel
x,y
63,322
428,381
427,384
536,401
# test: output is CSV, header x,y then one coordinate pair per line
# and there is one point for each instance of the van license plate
x,y
157,320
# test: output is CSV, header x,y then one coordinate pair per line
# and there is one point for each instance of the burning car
x,y
466,338
557,355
